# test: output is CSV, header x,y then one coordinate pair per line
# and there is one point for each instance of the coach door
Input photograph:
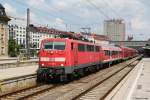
x,y
75,53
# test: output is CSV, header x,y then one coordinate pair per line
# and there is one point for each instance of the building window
x,y
2,51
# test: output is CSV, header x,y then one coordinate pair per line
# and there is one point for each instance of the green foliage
x,y
13,48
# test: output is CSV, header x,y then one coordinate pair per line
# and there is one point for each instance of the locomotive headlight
x,y
42,64
61,64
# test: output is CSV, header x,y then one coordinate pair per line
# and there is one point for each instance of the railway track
x,y
100,87
101,90
78,89
19,95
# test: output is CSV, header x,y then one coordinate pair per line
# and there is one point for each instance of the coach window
x,y
107,52
81,47
97,48
113,52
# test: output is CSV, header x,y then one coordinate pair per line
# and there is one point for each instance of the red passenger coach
x,y
110,53
64,58
128,53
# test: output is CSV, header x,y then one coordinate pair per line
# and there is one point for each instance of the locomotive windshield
x,y
54,45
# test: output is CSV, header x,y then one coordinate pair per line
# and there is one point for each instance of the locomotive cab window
x,y
59,45
48,45
81,47
54,45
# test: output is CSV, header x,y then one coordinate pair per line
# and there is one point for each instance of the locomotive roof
x,y
104,47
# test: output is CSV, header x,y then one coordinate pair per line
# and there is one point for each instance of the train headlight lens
x,y
61,64
42,64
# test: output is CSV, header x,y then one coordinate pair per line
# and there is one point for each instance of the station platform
x,y
7,58
136,85
6,61
17,72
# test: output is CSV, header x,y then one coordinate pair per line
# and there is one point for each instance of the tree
x,y
13,48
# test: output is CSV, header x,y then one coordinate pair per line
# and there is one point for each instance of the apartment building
x,y
3,32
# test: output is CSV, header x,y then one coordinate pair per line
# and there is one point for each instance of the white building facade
x,y
18,33
37,37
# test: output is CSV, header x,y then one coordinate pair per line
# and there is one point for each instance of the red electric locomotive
x,y
64,58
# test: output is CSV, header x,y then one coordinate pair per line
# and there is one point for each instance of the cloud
x,y
9,9
60,5
36,3
60,12
12,13
60,24
138,23
59,21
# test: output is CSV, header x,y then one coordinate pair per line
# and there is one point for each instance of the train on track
x,y
63,59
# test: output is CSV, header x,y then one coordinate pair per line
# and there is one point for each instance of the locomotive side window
x,y
90,48
81,47
54,45
71,46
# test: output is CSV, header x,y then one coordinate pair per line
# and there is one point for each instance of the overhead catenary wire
x,y
48,18
112,9
101,12
53,15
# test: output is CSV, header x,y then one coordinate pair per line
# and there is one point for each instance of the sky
x,y
72,15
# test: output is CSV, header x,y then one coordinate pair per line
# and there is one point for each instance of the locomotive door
x,y
75,53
